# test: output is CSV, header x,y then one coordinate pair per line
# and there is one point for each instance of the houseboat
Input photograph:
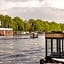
x,y
6,31
54,48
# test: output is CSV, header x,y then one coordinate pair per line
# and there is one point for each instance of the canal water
x,y
21,51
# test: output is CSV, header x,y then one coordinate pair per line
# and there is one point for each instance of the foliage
x,y
19,24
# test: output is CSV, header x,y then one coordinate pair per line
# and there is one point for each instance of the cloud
x,y
28,4
10,4
7,4
17,0
54,3
42,9
38,13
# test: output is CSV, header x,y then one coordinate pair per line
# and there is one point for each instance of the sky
x,y
52,10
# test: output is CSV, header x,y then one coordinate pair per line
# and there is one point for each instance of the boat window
x,y
54,45
57,48
63,47
61,41
48,47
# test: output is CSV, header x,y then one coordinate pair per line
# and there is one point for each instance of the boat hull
x,y
52,60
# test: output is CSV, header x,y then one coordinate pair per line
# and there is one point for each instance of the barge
x,y
54,48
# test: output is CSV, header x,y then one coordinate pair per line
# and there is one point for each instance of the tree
x,y
19,22
7,21
31,23
62,26
54,26
2,20
26,26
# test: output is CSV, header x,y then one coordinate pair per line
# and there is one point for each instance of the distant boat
x,y
34,35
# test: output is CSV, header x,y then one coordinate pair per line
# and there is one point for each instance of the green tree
x,y
31,22
62,26
7,22
53,26
19,22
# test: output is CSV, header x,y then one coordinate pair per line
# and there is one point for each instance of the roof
x,y
54,35
6,29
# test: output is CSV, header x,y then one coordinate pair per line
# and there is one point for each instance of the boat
x,y
34,35
54,48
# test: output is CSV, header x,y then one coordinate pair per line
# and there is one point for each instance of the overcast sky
x,y
39,9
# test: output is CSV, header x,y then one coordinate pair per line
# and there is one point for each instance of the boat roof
x,y
6,29
54,34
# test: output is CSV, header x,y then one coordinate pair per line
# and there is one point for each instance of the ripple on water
x,y
21,51
17,55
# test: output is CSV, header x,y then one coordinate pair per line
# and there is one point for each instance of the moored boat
x,y
54,48
34,35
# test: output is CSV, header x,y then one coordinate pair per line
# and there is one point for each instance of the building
x,y
6,31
